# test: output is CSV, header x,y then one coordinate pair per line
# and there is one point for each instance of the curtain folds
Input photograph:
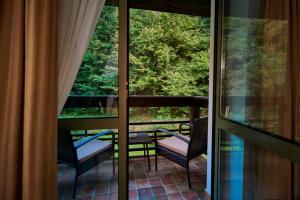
x,y
11,97
77,21
28,99
40,46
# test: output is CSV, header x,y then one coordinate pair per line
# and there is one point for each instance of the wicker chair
x,y
181,149
84,154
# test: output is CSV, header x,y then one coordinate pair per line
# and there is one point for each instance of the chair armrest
x,y
84,141
171,133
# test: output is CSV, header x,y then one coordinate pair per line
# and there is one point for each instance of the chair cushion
x,y
175,144
91,149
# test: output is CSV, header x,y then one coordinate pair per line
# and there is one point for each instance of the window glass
x,y
168,54
95,91
255,85
250,172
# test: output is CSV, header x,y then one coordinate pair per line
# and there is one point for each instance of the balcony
x,y
169,182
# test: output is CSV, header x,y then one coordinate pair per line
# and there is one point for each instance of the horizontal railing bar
x,y
151,137
149,131
102,101
158,122
161,101
140,149
167,101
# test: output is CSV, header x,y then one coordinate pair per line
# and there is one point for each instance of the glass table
x,y
141,138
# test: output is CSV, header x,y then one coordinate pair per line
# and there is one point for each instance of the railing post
x,y
195,113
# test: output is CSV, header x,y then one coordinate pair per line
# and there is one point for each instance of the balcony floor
x,y
169,182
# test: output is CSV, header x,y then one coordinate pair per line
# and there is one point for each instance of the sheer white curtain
x,y
77,20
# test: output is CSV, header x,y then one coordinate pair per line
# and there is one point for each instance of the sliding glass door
x,y
256,151
97,102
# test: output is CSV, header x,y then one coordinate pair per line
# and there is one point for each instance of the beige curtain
x,y
28,99
77,21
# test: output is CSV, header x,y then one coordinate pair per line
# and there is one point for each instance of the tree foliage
x,y
98,74
168,55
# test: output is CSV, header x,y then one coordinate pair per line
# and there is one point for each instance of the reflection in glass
x,y
250,172
255,87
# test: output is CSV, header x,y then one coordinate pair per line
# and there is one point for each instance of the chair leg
x,y
148,157
188,174
155,160
75,185
113,163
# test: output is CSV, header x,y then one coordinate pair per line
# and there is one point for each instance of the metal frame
x,y
123,96
277,144
120,122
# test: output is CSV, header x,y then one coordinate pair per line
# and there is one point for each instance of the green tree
x,y
98,74
169,54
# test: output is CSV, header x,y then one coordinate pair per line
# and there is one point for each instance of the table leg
x,y
148,156
144,150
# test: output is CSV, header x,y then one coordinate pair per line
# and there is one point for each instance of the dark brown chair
x,y
84,154
181,149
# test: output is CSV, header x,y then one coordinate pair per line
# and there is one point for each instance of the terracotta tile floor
x,y
169,182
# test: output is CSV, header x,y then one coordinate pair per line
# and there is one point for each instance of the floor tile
x,y
101,197
182,187
161,197
101,188
175,196
157,191
154,182
113,196
170,189
169,182
189,195
144,192
142,183
133,194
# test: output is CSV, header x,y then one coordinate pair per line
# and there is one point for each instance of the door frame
x,y
123,99
277,144
121,121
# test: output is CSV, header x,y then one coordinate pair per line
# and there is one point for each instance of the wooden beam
x,y
187,7
136,101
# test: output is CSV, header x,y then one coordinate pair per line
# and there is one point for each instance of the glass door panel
x,y
95,90
98,102
257,100
296,181
250,172
255,70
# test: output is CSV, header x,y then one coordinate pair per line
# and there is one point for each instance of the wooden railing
x,y
195,103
